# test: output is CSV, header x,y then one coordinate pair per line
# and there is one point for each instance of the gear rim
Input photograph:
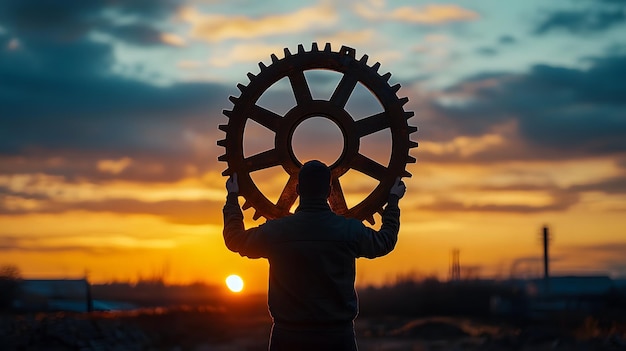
x,y
293,67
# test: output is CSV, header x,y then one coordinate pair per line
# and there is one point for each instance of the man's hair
x,y
314,180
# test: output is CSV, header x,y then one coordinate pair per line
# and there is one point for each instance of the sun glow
x,y
234,283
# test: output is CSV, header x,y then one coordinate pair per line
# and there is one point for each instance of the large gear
x,y
293,66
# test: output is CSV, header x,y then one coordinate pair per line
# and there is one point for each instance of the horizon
x,y
110,114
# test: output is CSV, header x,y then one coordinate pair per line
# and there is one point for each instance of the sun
x,y
234,283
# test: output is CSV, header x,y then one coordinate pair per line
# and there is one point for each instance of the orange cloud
x,y
172,39
114,166
433,14
429,14
216,28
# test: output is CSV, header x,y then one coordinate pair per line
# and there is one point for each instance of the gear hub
x,y
293,66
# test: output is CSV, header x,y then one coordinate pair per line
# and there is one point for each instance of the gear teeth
x,y
411,159
409,114
314,47
233,99
386,76
226,172
221,142
222,158
251,76
404,100
246,205
395,88
256,215
364,59
241,87
224,127
412,129
262,66
300,48
405,174
376,66
412,144
371,220
227,113
327,47
274,58
287,52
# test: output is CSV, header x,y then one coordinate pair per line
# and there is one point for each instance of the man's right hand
x,y
231,184
398,188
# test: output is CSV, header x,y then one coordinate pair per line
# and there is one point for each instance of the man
x,y
312,255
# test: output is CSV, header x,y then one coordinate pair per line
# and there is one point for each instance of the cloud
x,y
102,245
485,201
114,166
426,15
555,111
143,35
615,185
486,51
215,28
60,98
63,96
507,39
581,21
64,20
190,212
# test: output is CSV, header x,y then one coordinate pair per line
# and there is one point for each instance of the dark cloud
x,y
581,21
608,248
507,39
557,111
191,212
615,185
561,201
67,20
29,245
60,98
487,51
139,34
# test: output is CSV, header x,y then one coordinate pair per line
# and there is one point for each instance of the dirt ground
x,y
214,329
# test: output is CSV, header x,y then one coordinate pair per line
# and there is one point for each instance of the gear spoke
x,y
337,200
369,167
344,90
300,87
264,117
266,159
289,195
371,124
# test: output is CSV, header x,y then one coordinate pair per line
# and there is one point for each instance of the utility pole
x,y
546,257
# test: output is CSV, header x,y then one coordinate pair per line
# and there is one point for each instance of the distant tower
x,y
455,266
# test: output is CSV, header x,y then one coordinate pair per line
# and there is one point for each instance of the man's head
x,y
314,180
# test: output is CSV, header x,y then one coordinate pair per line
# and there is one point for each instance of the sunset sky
x,y
109,114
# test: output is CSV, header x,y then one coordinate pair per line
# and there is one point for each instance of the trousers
x,y
317,339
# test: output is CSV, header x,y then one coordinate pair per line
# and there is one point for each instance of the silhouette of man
x,y
312,254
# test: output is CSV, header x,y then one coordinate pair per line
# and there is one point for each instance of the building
x,y
47,295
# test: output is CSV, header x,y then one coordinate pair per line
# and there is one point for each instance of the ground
x,y
203,329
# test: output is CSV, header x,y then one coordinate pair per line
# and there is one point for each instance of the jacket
x,y
312,256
